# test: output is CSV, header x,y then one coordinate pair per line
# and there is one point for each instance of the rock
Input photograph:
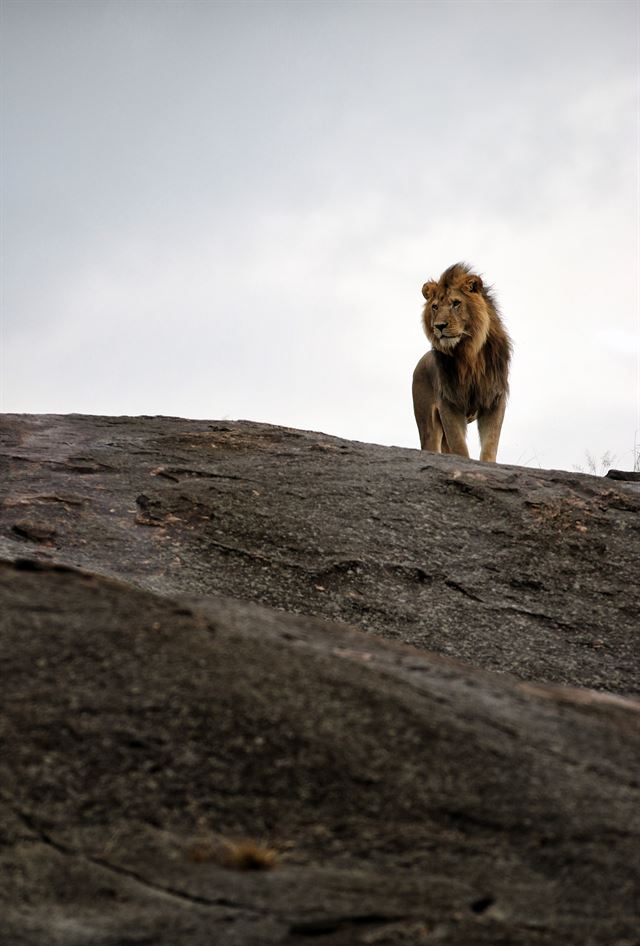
x,y
512,569
156,712
405,791
34,531
630,476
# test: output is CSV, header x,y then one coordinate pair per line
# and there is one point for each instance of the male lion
x,y
465,375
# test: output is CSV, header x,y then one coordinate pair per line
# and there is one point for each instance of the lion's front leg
x,y
425,404
454,423
489,427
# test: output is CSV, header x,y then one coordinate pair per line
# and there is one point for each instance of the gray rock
x,y
155,711
526,571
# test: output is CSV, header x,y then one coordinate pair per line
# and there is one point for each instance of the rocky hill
x,y
264,686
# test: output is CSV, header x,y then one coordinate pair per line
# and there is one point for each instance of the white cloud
x,y
230,209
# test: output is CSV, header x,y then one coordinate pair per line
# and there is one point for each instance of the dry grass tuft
x,y
249,855
246,854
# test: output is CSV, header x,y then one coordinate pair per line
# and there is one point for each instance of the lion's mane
x,y
476,372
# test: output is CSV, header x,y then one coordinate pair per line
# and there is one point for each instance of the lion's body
x,y
465,376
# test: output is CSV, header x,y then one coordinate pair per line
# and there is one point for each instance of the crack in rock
x,y
174,892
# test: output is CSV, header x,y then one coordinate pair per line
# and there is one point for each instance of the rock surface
x,y
180,673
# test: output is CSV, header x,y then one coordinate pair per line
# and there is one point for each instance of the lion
x,y
465,376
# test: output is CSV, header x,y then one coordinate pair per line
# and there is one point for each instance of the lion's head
x,y
458,310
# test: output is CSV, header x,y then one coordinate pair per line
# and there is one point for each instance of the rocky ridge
x,y
412,678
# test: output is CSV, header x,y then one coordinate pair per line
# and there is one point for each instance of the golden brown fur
x,y
466,374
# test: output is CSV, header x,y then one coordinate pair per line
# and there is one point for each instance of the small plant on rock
x,y
245,854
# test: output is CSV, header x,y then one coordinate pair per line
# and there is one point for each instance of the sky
x,y
228,209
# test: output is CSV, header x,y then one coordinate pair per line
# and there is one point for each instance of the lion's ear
x,y
428,289
473,284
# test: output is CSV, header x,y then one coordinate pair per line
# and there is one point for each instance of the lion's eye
x,y
434,307
455,303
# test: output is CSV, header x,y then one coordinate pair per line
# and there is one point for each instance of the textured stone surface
x,y
513,569
411,797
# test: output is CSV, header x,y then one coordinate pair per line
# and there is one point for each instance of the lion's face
x,y
455,312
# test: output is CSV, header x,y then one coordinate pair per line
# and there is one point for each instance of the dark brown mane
x,y
476,372
473,382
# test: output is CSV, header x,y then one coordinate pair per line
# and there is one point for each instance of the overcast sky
x,y
228,209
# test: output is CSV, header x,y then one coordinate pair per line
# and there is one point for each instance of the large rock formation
x,y
159,704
